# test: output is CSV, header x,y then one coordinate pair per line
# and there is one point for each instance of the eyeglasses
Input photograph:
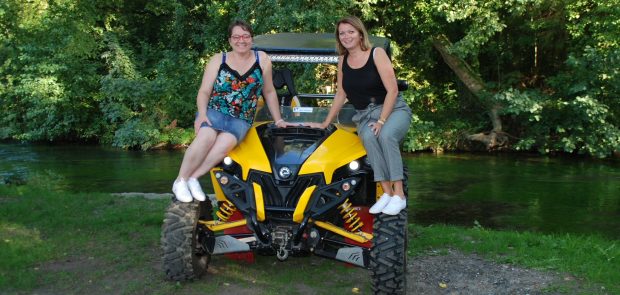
x,y
245,37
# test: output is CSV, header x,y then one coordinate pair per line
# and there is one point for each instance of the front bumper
x,y
305,198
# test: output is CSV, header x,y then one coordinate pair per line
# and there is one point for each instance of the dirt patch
x,y
150,196
450,272
457,273
72,264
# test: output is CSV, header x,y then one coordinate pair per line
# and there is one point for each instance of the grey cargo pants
x,y
384,150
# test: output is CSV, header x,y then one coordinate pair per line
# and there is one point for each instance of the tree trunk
x,y
495,138
472,80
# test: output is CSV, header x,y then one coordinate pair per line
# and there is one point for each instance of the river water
x,y
535,193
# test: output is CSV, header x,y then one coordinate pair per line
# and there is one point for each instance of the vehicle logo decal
x,y
285,172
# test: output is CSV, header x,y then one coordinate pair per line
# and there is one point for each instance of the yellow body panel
x,y
219,194
338,150
379,191
215,225
250,154
298,215
260,203
360,236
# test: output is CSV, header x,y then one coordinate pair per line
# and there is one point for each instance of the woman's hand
x,y
375,127
316,125
198,122
281,123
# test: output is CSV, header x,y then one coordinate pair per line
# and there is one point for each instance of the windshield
x,y
308,114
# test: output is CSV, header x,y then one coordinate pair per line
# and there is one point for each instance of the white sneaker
x,y
379,205
181,191
396,204
194,187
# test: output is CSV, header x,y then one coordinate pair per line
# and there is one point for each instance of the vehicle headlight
x,y
223,179
354,165
230,166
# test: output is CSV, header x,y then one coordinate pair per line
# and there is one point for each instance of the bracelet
x,y
278,121
380,121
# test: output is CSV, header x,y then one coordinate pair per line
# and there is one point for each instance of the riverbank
x,y
59,243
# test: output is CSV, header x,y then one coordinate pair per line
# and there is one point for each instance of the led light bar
x,y
305,58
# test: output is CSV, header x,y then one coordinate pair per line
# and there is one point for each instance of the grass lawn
x,y
55,242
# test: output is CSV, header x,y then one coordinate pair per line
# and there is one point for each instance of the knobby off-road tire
x,y
183,256
388,255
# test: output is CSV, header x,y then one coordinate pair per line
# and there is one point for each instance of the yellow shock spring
x,y
226,210
349,215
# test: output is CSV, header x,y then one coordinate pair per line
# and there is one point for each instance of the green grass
x,y
38,224
56,242
92,243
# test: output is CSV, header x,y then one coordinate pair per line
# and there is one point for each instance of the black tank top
x,y
363,85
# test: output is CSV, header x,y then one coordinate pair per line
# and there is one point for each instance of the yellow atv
x,y
292,191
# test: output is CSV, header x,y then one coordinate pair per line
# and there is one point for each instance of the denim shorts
x,y
226,123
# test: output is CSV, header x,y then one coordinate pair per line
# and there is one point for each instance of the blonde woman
x,y
366,79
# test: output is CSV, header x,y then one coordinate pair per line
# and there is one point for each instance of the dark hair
x,y
359,26
239,23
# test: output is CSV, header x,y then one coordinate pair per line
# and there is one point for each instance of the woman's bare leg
x,y
224,143
398,189
197,152
387,187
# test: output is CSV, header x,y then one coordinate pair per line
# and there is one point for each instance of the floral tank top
x,y
236,95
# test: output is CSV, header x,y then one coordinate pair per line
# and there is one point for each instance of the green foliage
x,y
421,136
552,66
301,16
48,74
516,102
136,133
580,125
126,72
438,129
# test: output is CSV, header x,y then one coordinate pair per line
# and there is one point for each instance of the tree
x,y
521,54
519,74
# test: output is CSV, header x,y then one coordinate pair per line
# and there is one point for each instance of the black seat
x,y
281,78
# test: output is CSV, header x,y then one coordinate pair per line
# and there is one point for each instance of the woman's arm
x,y
339,99
204,92
386,72
269,91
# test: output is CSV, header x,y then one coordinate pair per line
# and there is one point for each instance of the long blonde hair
x,y
359,26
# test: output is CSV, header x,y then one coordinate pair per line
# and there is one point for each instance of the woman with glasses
x,y
366,78
227,100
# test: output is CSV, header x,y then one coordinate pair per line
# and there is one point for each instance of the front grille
x,y
283,196
297,133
